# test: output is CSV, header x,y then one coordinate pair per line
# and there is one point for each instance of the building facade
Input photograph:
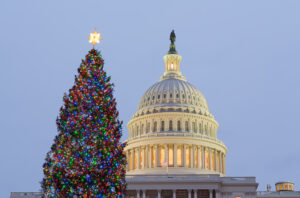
x,y
173,150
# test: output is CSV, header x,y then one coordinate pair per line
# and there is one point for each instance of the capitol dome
x,y
175,93
173,130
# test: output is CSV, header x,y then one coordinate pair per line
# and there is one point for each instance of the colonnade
x,y
145,126
176,155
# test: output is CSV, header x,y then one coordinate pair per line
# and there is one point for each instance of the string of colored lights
x,y
87,159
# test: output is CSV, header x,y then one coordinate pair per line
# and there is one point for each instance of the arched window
x,y
162,126
186,126
137,130
142,129
200,128
170,125
194,127
178,126
148,127
155,127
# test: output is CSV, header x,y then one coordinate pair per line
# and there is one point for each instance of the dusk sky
x,y
244,56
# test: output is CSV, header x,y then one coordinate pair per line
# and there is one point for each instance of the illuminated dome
x,y
173,128
174,93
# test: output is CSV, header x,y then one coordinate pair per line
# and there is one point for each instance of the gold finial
x,y
94,38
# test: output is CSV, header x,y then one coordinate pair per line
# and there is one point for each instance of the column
x,y
195,193
184,155
209,158
137,193
175,155
174,193
132,159
217,194
144,193
147,157
139,158
151,157
167,154
189,193
127,159
156,156
203,158
199,157
220,162
143,158
158,193
210,193
224,165
215,160
193,156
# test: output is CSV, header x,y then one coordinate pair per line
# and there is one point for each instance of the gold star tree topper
x,y
94,38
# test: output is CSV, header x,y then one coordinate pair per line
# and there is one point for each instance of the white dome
x,y
173,92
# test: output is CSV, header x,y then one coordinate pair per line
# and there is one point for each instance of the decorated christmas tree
x,y
86,158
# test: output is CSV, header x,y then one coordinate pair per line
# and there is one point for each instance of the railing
x,y
176,134
191,177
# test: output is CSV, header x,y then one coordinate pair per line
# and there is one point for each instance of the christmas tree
x,y
87,159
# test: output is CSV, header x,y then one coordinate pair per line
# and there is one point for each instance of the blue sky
x,y
242,55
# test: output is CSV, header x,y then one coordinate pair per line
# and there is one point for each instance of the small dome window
x,y
153,97
177,95
165,95
171,95
189,97
148,98
158,97
183,96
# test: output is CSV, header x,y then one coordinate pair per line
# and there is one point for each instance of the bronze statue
x,y
172,37
172,49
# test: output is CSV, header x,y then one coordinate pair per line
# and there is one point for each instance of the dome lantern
x,y
172,61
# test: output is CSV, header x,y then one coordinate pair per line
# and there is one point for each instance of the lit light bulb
x,y
172,66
